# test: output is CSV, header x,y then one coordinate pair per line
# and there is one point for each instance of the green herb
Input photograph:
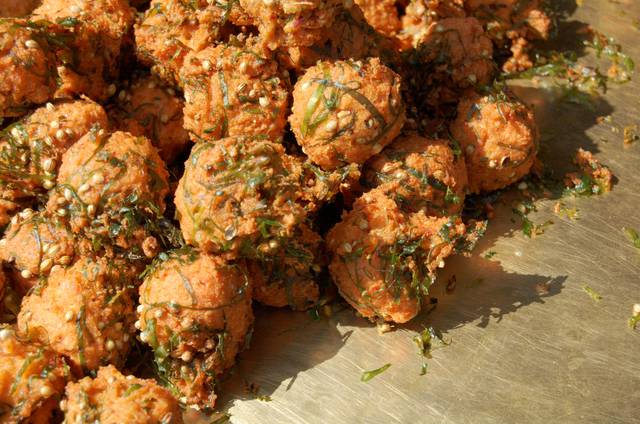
x,y
490,254
426,342
131,389
592,293
633,236
368,375
633,321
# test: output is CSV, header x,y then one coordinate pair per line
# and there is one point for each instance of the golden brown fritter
x,y
420,174
286,270
234,90
112,398
499,137
173,28
17,8
96,33
420,14
292,23
27,68
459,52
109,188
32,380
149,108
346,111
33,245
383,260
84,312
382,15
195,312
237,193
31,149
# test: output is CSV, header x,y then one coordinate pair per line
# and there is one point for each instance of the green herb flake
x,y
490,254
592,293
426,342
368,375
633,321
131,389
633,236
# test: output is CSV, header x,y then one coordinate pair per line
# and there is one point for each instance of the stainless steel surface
x,y
517,355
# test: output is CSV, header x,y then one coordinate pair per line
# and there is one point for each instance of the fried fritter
x,y
346,111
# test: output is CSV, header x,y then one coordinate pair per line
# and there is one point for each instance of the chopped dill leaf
x,y
633,322
592,293
426,341
368,375
633,236
490,254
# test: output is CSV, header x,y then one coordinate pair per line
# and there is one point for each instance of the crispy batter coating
x,y
459,51
382,15
420,174
173,28
17,8
195,312
285,273
112,398
32,380
149,108
31,149
383,259
420,14
98,30
593,178
238,193
27,68
84,312
109,188
499,137
346,111
33,245
234,90
292,23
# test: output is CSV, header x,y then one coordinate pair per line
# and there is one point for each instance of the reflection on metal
x,y
528,344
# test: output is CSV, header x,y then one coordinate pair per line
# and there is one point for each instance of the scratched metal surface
x,y
517,355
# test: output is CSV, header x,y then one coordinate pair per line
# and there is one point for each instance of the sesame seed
x,y
54,124
26,214
306,85
48,184
473,78
344,114
206,65
63,404
158,313
130,377
68,132
31,44
347,247
91,210
75,9
636,309
84,188
171,91
441,263
363,224
184,369
45,265
68,194
110,345
68,316
144,337
273,244
492,163
5,333
53,249
187,356
140,309
264,102
48,141
122,95
362,140
522,186
65,260
518,253
61,212
332,125
97,178
101,325
243,67
46,390
60,134
137,324
25,273
164,118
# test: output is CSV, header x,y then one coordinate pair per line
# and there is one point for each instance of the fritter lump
x,y
27,68
31,149
420,14
347,111
237,193
109,188
171,29
499,137
382,15
195,312
420,174
17,8
99,29
150,109
32,380
459,52
33,245
593,178
383,260
351,37
112,398
286,270
292,23
234,90
84,312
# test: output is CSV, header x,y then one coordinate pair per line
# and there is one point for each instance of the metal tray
x,y
528,344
